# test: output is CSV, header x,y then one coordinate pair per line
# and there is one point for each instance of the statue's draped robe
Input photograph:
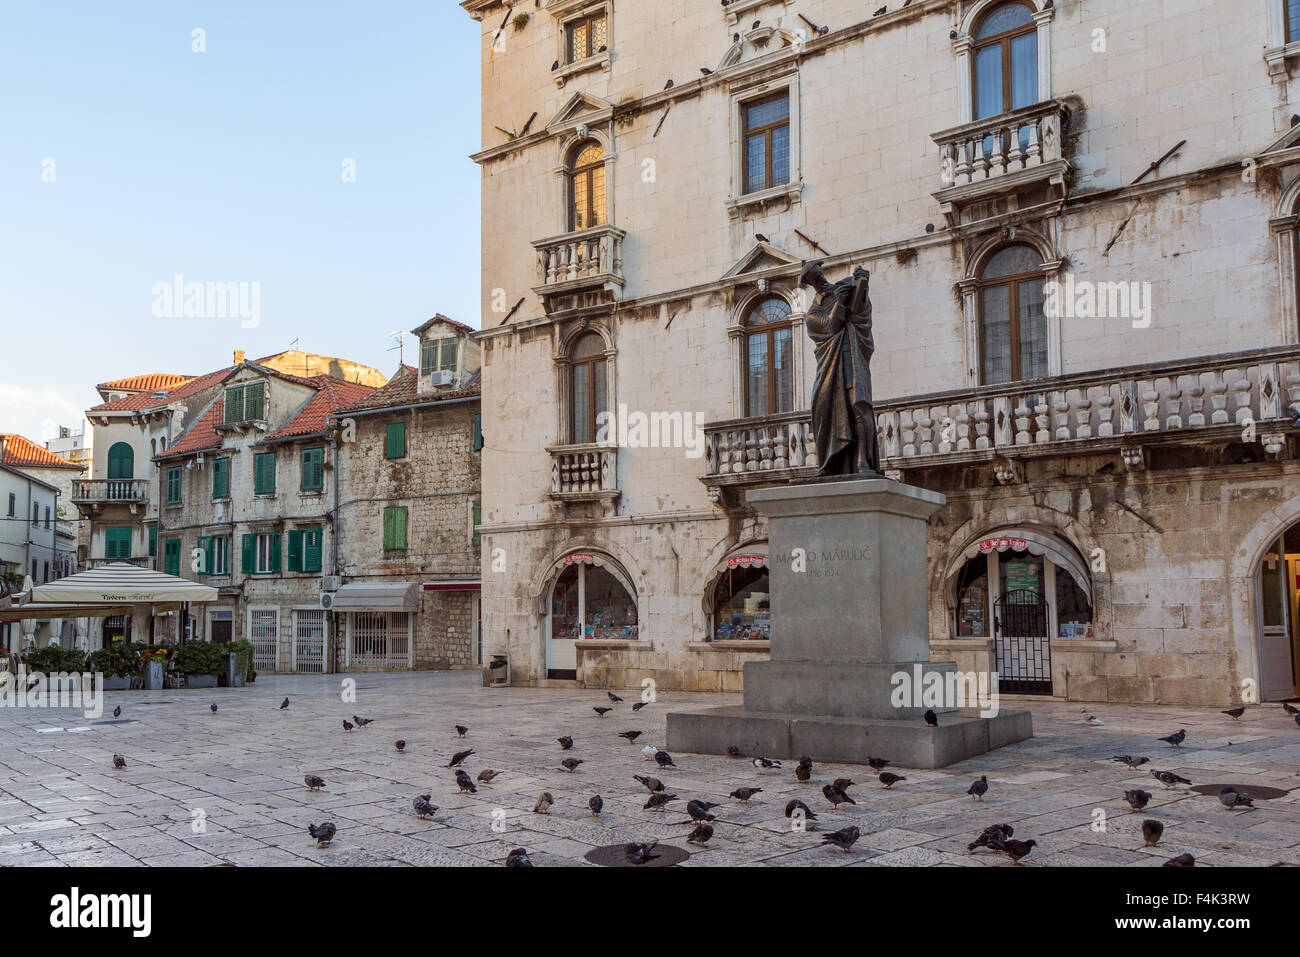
x,y
844,421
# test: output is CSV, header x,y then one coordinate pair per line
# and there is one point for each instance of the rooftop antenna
x,y
397,337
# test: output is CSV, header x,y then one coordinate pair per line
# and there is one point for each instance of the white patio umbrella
x,y
121,583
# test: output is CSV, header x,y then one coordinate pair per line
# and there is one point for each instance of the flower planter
x,y
117,683
234,674
200,681
153,676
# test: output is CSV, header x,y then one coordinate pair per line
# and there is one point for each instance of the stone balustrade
x,y
583,470
109,491
588,257
1010,143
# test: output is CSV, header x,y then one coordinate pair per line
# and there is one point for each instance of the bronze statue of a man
x,y
844,421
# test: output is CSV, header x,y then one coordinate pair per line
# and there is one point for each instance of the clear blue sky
x,y
226,166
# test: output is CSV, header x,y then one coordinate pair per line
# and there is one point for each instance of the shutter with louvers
x,y
253,400
247,554
311,554
478,520
295,551
275,553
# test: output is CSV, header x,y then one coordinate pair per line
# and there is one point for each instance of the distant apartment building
x,y
28,546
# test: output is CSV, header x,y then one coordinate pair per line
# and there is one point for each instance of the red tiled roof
x,y
149,382
202,435
401,390
152,400
19,452
332,395
444,320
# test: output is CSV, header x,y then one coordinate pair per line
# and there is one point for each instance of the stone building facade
x,y
1080,221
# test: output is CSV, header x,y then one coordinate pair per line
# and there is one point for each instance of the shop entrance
x,y
1278,589
590,599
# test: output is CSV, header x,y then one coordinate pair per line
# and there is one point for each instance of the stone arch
x,y
1244,566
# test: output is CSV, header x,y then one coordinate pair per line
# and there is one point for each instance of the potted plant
x,y
153,659
118,662
53,660
200,662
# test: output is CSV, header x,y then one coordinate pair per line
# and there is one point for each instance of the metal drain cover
x,y
615,855
1256,792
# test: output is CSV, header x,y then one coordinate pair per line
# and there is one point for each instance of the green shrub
x,y
120,659
201,658
53,659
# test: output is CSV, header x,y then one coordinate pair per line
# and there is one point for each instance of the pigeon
x,y
744,794
733,751
651,784
843,784
459,756
802,771
630,735
702,834
571,764
638,854
889,779
518,857
314,782
1232,799
706,71
613,697
465,783
119,762
596,803
324,833
1176,739
656,802
362,722
836,796
765,764
668,85
486,775
1182,860
761,238
1169,779
461,731
664,759
1093,720
979,788
602,711
117,712
1018,849
881,11
877,764
400,745
284,704
1151,832
649,751
1137,799
1289,709
639,705
1234,713
699,810
1132,762
931,718
844,838
992,837
422,806
213,708
348,725
566,742
543,805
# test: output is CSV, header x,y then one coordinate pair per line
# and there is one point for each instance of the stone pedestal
x,y
847,566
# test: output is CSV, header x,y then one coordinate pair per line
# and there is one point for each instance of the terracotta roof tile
x,y
401,390
152,400
440,319
149,382
202,435
332,395
19,452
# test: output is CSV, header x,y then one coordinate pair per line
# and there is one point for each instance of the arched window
x,y
742,604
769,358
588,386
1013,327
586,186
121,461
1006,60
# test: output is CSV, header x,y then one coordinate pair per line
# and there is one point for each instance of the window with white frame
x,y
265,553
220,555
586,35
438,355
765,141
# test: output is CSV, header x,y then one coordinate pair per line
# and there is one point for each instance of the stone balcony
x,y
1249,399
584,473
582,262
1015,154
91,495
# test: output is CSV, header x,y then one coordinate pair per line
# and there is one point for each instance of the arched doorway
x,y
738,601
1277,587
590,597
1022,588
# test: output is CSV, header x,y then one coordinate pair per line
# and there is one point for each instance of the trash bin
x,y
496,674
234,674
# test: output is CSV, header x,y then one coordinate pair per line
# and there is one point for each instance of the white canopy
x,y
121,583
42,610
377,596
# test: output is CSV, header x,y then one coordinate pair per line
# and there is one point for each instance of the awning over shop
x,y
1035,543
43,611
122,583
378,596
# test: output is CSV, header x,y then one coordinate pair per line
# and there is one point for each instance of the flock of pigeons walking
x,y
997,838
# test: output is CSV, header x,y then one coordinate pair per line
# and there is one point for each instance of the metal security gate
x,y
264,633
309,641
1021,643
378,639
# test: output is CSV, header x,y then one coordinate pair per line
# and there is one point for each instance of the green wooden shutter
x,y
264,473
117,540
478,520
478,431
275,553
395,440
121,461
153,541
172,556
174,485
313,474
253,396
295,551
221,478
394,528
311,553
401,528
247,552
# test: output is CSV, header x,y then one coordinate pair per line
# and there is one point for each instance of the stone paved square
x,y
239,774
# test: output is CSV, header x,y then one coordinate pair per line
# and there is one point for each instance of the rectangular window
x,y
476,519
264,473
767,143
47,516
13,504
313,469
36,515
221,478
394,528
153,541
395,440
478,431
305,550
438,354
265,548
174,485
117,541
219,552
172,556
245,402
585,36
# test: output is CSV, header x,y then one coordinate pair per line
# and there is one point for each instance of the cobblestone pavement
x,y
240,772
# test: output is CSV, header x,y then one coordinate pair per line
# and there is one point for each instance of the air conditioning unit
x,y
331,582
326,600
442,377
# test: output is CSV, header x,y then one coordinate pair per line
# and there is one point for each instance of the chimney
x,y
239,356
